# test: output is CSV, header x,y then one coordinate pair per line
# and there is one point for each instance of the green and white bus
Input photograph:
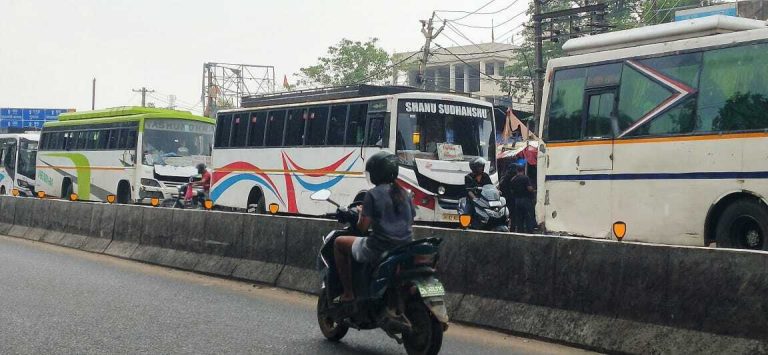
x,y
131,153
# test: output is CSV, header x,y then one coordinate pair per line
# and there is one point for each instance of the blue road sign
x,y
29,117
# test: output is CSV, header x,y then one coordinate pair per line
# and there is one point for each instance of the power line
x,y
455,30
469,13
492,26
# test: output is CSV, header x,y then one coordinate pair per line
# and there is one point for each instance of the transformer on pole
x,y
224,84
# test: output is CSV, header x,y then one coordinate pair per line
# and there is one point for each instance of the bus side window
x,y
93,140
223,131
317,125
103,139
128,138
81,140
356,124
294,127
256,130
239,130
275,126
378,129
44,137
337,125
114,138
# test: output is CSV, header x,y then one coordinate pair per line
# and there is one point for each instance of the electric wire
x,y
469,13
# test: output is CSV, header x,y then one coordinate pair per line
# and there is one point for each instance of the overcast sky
x,y
50,50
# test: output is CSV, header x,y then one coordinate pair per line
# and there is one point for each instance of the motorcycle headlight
x,y
441,190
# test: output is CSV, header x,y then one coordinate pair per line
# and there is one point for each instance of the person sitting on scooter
x,y
478,178
205,181
387,209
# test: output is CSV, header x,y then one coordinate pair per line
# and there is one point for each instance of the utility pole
x,y
539,63
429,34
93,95
143,92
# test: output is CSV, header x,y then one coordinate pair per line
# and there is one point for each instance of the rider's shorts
x,y
360,251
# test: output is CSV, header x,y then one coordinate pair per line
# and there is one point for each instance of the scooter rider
x,y
477,178
387,209
205,181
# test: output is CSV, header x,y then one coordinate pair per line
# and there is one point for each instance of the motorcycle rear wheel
x,y
426,338
331,330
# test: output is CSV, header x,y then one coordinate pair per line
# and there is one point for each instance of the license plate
x,y
451,217
431,289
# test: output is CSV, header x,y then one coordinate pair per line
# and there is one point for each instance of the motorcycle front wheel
x,y
426,337
331,330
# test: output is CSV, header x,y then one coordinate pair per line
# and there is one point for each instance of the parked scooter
x,y
400,295
189,197
488,210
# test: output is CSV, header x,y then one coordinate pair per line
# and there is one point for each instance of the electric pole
x,y
93,95
429,34
143,92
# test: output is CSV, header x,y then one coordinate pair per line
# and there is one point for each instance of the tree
x,y
347,63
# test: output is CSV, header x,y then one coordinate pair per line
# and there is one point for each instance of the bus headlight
x,y
441,190
150,182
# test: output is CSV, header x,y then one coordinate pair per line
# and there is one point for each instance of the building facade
x,y
476,70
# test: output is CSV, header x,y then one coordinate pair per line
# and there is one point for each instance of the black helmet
x,y
382,167
477,165
200,167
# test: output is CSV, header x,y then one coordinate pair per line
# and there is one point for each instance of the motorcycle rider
x,y
387,209
477,178
205,181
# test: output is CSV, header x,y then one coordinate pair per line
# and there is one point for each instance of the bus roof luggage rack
x,y
323,94
666,32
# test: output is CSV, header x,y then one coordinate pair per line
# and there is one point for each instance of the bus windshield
x,y
438,130
177,142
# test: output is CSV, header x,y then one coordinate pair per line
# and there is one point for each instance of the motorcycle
x,y
488,210
400,294
186,199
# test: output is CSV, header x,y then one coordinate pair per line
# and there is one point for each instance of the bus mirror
x,y
321,195
619,230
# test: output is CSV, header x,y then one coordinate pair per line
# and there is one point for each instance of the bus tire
x,y
2,190
123,192
256,203
66,188
743,225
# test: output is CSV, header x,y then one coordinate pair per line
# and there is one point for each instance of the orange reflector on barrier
x,y
465,220
208,204
73,197
15,192
155,201
41,194
619,230
274,208
111,198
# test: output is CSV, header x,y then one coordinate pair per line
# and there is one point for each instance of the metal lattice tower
x,y
224,84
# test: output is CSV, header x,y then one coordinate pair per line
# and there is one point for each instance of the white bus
x,y
664,128
17,155
286,146
133,154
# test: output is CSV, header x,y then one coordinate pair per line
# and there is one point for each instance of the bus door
x,y
599,126
9,157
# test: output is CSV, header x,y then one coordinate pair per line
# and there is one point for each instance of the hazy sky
x,y
51,50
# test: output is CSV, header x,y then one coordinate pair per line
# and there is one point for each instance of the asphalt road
x,y
59,300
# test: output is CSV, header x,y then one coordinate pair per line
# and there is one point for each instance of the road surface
x,y
60,300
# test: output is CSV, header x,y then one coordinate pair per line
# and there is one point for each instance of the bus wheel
x,y
256,203
744,225
123,193
2,190
66,191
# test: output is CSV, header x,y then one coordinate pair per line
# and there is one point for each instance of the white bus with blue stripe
x,y
663,128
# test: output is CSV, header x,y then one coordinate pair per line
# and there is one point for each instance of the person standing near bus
x,y
522,192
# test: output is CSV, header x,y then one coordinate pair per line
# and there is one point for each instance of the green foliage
x,y
347,63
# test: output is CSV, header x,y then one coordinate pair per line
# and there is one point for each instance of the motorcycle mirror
x,y
321,195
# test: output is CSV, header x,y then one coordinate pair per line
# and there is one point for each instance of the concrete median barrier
x,y
22,220
156,236
261,252
7,213
126,235
79,224
102,225
39,223
303,239
217,245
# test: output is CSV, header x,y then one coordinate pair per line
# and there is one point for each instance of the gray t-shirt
x,y
390,228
